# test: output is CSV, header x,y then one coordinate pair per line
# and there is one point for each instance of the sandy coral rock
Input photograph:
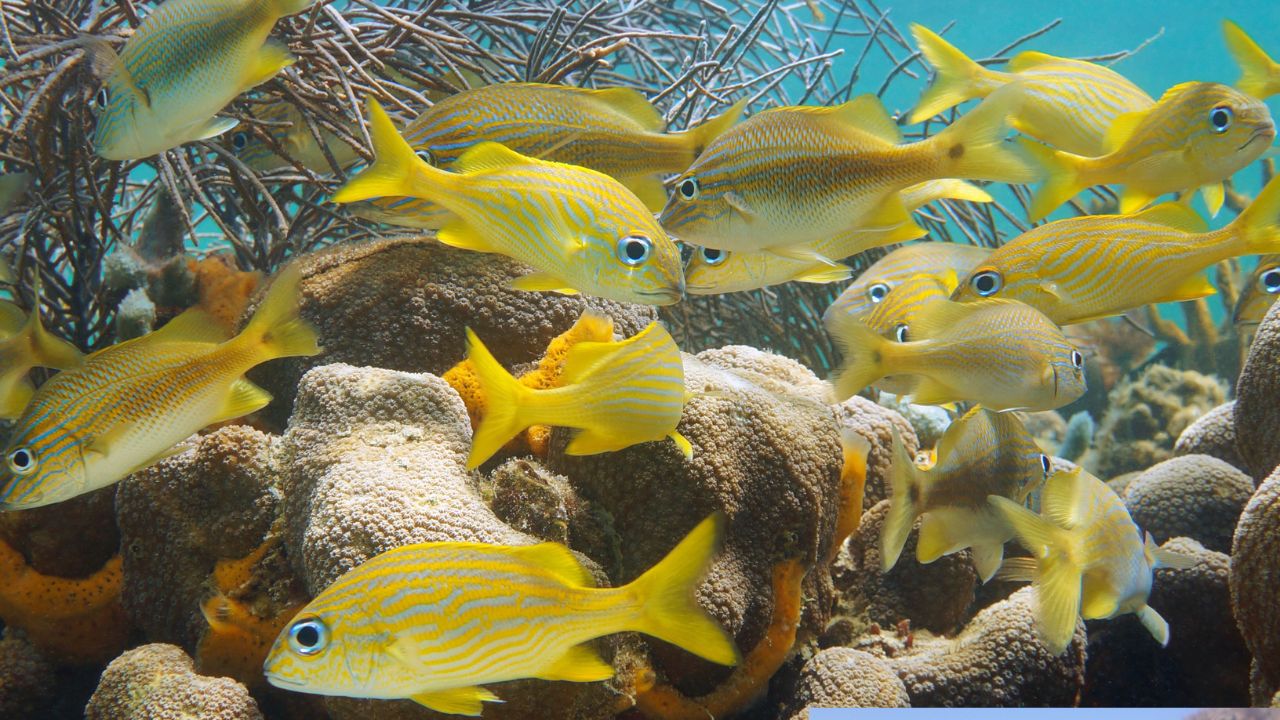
x,y
68,539
1195,496
1214,434
1257,413
215,500
928,421
996,661
27,681
876,424
847,678
404,304
1255,582
158,682
1147,413
775,373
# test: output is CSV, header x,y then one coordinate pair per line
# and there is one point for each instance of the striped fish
x,y
893,317
1066,103
618,393
288,129
126,406
1088,560
580,229
981,454
1002,354
432,622
25,344
1092,267
1259,293
1196,136
183,64
1259,74
713,271
615,131
799,175
922,258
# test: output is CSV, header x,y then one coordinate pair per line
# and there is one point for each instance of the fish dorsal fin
x,y
582,358
12,319
935,319
1031,58
632,104
1063,499
955,432
556,559
1176,215
1177,90
194,325
490,156
1121,129
868,114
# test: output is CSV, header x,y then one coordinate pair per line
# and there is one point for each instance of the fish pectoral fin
x,y
244,398
740,206
1018,569
987,559
649,189
824,274
213,128
541,282
1064,500
590,442
456,701
930,391
580,663
401,653
800,253
1097,603
1214,195
1132,200
272,58
1154,624
686,447
460,234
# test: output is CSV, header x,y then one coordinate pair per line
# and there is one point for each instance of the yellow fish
x,y
1002,354
902,307
799,175
25,344
982,454
922,258
126,406
1088,557
183,64
617,393
1066,103
1260,293
289,131
581,229
615,131
433,622
1259,74
1086,268
1196,136
713,271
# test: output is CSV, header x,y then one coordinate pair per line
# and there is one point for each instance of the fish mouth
x,y
670,296
699,289
1267,131
278,680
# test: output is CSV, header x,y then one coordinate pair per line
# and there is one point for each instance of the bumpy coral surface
x,y
1214,434
1257,412
1195,496
876,424
158,682
70,539
1255,582
848,678
928,421
27,682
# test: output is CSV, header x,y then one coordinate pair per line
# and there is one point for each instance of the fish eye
x,y
1269,281
713,256
986,283
425,156
633,250
309,636
876,292
21,461
1220,118
102,98
1046,464
239,140
900,332
689,188
1077,360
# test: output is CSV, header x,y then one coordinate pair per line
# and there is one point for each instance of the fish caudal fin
x,y
396,169
974,147
1256,67
957,75
1058,574
665,593
906,487
1061,178
864,355
701,136
276,328
503,399
1258,227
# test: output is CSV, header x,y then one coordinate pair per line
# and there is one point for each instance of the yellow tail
x,y
276,328
958,77
504,397
974,148
906,487
669,609
702,135
1257,70
1058,572
864,355
1258,227
396,170
1062,181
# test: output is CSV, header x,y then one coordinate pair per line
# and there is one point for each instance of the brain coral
x,y
404,304
1195,496
847,678
158,682
1257,412
69,539
1214,434
27,681
1255,582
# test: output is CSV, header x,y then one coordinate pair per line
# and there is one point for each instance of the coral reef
x,y
1257,416
1213,434
1077,438
928,421
844,677
71,539
27,682
135,315
533,500
1255,582
158,682
1195,496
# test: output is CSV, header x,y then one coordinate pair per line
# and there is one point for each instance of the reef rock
x,y
404,305
846,678
928,421
1255,582
158,682
1214,434
1257,412
1195,496
876,423
27,682
68,539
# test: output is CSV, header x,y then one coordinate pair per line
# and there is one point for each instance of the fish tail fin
x,y
665,593
906,487
504,397
974,147
396,170
1058,576
864,355
1255,64
1061,173
957,75
700,137
1258,226
276,328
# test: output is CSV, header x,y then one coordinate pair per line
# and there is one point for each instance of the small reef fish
x,y
1003,355
289,131
1088,560
25,344
433,622
1196,136
615,131
922,258
12,187
898,311
1096,266
581,229
982,454
126,406
1260,293
617,393
713,271
1259,74
1066,103
799,175
183,64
